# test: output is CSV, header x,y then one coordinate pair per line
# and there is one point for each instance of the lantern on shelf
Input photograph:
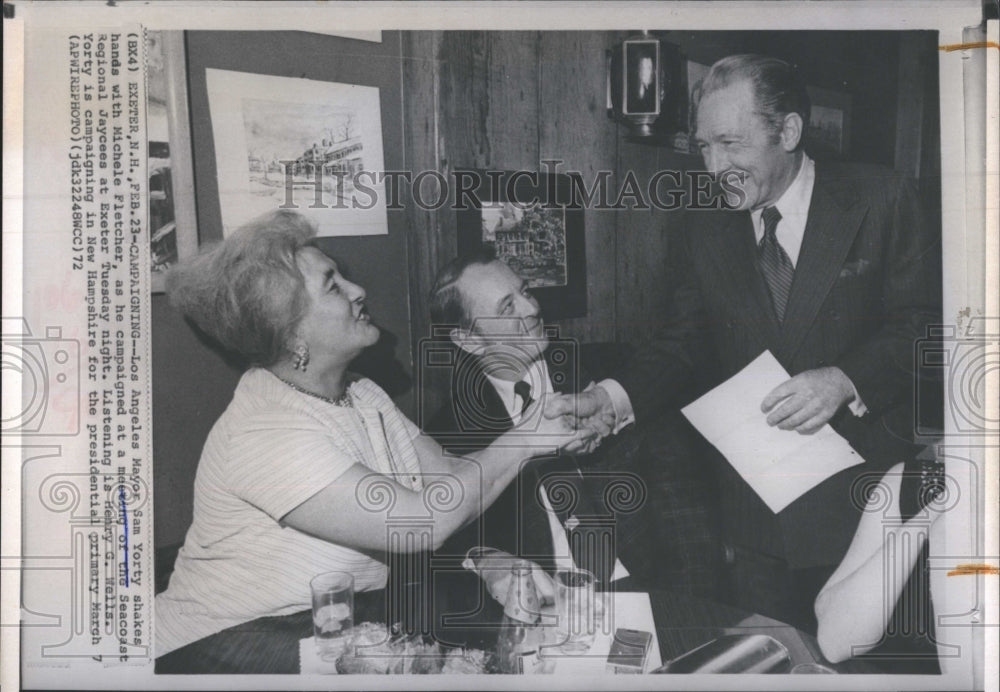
x,y
645,86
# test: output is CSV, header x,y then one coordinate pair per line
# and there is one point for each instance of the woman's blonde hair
x,y
247,292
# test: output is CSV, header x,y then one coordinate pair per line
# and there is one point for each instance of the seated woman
x,y
877,604
292,478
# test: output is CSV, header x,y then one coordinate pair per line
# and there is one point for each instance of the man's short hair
x,y
777,87
447,304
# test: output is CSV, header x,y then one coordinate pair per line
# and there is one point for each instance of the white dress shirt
x,y
538,377
794,208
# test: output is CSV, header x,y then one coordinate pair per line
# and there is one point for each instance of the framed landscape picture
x,y
303,144
531,222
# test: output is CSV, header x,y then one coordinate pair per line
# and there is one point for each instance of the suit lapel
x,y
734,253
494,406
518,522
476,403
829,234
530,534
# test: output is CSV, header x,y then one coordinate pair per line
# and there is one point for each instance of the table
x,y
271,644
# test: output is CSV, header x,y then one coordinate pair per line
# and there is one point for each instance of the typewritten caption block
x,y
92,575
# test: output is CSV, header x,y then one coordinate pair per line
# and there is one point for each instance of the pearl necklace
x,y
343,400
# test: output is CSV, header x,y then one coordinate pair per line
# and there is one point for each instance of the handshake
x,y
580,420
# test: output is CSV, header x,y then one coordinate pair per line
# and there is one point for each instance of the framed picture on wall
x,y
642,77
173,224
829,130
303,144
532,222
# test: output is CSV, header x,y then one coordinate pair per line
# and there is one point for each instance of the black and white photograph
x,y
466,355
642,60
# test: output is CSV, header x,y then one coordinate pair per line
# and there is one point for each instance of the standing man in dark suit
x,y
836,272
586,511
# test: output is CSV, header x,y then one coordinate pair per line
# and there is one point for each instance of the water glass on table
x,y
576,610
492,566
332,611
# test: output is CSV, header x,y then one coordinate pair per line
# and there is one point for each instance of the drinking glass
x,y
332,611
576,622
493,567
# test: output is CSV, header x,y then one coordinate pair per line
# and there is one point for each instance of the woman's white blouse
x,y
270,451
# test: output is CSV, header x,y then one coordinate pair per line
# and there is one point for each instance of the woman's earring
x,y
300,357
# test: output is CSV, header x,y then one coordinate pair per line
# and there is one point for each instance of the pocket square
x,y
855,268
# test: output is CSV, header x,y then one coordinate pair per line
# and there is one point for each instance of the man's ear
x,y
791,132
464,339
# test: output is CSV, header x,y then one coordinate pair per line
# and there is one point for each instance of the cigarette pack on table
x,y
628,651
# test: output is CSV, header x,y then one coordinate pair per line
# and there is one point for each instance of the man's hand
x,y
589,411
593,403
559,431
808,400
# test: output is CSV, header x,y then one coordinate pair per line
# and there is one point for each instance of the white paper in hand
x,y
780,465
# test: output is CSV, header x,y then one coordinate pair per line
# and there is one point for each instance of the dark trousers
x,y
767,585
672,542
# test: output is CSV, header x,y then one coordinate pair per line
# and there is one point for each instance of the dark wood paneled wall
x,y
508,101
574,128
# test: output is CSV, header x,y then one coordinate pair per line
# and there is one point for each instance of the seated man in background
x,y
562,514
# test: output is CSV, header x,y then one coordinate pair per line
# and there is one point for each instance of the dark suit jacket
x,y
472,419
867,283
642,485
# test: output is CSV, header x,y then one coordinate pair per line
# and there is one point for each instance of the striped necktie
x,y
774,263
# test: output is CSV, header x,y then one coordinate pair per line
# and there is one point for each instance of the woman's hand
x,y
542,432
